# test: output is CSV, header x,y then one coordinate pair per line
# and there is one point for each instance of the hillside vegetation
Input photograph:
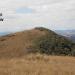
x,y
34,52
38,64
54,44
39,39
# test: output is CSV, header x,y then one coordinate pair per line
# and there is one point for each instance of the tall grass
x,y
37,64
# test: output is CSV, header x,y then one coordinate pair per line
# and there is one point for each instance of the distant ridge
x,y
70,34
38,39
4,33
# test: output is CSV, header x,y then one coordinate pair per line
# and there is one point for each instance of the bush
x,y
56,46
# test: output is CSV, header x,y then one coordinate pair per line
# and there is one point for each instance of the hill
x,y
36,40
70,34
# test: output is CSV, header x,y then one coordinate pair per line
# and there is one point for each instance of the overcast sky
x,y
26,14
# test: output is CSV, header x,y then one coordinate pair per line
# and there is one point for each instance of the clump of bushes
x,y
54,45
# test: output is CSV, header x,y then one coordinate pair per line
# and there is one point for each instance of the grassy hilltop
x,y
29,53
36,40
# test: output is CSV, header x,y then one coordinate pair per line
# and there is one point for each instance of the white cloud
x,y
54,14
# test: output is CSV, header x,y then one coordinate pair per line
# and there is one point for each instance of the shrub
x,y
55,45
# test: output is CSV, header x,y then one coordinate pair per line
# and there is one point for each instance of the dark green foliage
x,y
54,44
42,29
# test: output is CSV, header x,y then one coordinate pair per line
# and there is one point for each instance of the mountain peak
x,y
36,40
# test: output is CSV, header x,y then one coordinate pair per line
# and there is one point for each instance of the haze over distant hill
x,y
36,40
4,33
67,33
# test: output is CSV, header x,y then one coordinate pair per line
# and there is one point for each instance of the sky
x,y
26,14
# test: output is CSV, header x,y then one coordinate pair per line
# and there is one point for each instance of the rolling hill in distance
x,y
38,51
70,34
39,39
67,33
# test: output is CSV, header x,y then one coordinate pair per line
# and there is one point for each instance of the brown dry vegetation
x,y
19,43
37,64
16,58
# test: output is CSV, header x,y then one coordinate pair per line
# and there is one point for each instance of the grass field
x,y
37,64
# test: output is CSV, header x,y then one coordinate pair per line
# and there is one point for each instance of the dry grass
x,y
37,64
18,43
13,60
